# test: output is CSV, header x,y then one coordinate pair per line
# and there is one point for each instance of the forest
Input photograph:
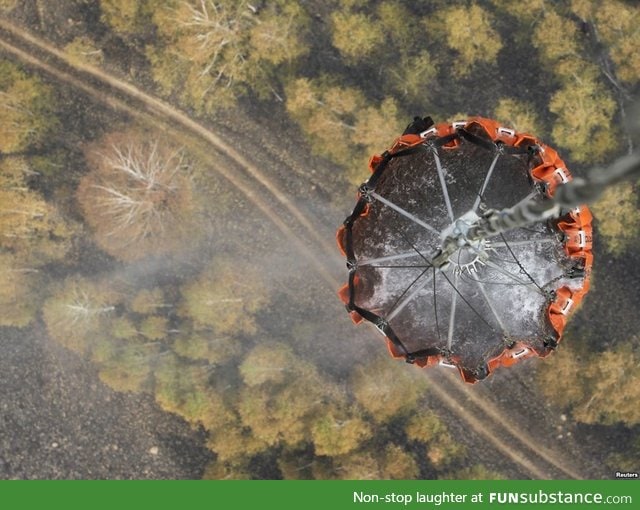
x,y
121,237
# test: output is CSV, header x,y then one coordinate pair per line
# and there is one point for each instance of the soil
x,y
58,421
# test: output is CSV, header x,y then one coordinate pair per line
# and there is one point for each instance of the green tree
x,y
340,124
583,106
27,115
614,387
521,116
281,414
389,463
565,365
138,196
556,38
183,389
30,228
77,313
386,388
148,301
234,443
526,13
410,76
327,114
282,395
618,215
296,464
355,35
207,346
468,31
225,297
123,328
339,430
440,447
126,18
272,363
391,36
154,327
215,51
83,49
475,472
128,369
584,111
616,26
608,389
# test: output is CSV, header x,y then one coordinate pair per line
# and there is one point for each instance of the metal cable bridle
x,y
580,191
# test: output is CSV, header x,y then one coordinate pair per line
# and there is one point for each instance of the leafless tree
x,y
136,194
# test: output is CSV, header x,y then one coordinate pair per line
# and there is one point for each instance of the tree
x,y
27,116
339,430
282,397
519,115
137,197
468,32
207,346
282,414
584,110
154,327
389,463
83,49
148,301
556,39
608,389
272,363
409,75
123,328
327,115
77,312
440,447
377,127
126,18
584,107
215,51
354,35
225,298
475,472
340,124
424,426
390,37
565,365
614,388
18,297
128,369
297,464
385,388
616,23
526,13
618,216
7,5
183,389
234,443
30,228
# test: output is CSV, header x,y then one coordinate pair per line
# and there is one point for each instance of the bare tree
x,y
136,196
